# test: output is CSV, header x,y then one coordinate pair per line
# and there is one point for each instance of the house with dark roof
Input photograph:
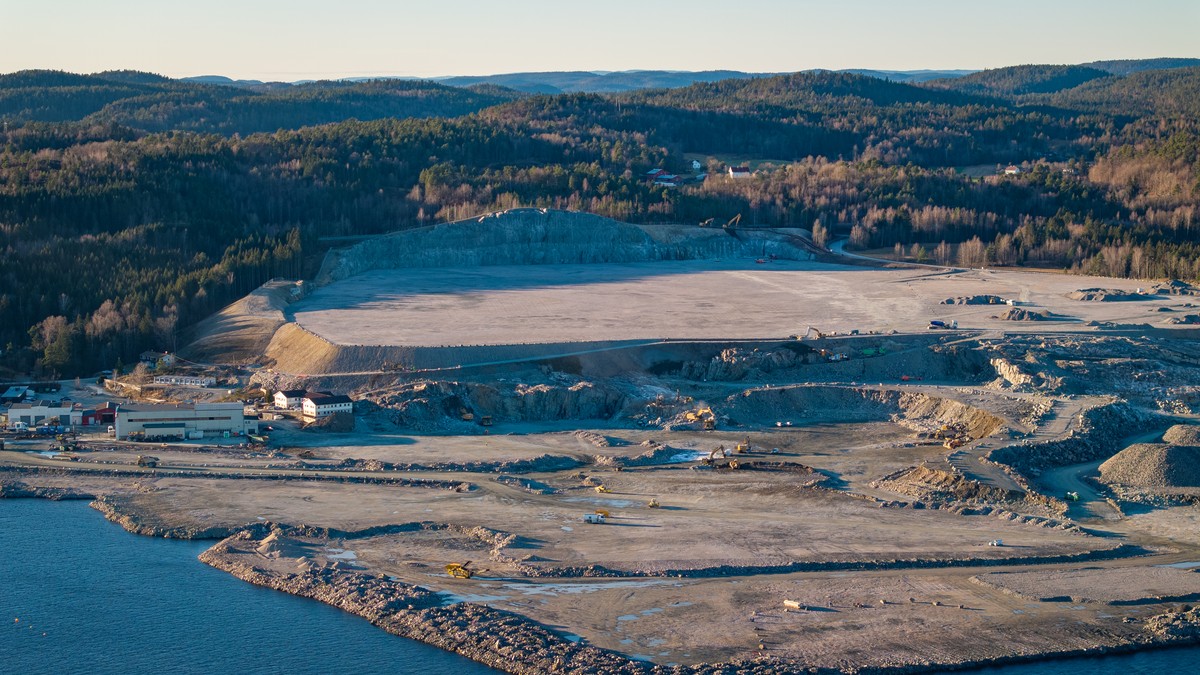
x,y
324,404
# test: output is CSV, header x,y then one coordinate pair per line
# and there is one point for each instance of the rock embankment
x,y
15,489
1097,435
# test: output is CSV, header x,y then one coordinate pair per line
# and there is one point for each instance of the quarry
x,y
580,445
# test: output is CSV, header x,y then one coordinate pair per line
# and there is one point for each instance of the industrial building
x,y
186,380
318,405
184,420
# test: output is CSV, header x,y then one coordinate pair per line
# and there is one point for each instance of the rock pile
x,y
1018,314
1154,465
1103,295
974,300
1183,434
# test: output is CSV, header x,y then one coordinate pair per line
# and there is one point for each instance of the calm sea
x,y
93,599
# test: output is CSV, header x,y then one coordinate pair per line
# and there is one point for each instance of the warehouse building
x,y
184,420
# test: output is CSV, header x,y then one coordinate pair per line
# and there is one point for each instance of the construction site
x,y
580,445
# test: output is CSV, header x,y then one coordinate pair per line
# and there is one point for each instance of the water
x,y
111,602
94,599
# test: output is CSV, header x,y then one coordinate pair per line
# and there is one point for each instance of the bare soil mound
x,y
338,422
1185,320
1103,295
1154,465
242,331
1183,434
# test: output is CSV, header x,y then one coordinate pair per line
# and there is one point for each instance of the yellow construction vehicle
x,y
813,333
460,570
653,504
602,490
603,512
733,222
744,446
467,415
957,442
705,416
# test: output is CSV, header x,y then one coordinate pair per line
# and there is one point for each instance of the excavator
x,y
460,570
742,447
733,222
814,334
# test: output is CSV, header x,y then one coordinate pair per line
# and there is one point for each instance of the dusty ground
x,y
727,299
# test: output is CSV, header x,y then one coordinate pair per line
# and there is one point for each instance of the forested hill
x,y
152,103
124,219
1017,80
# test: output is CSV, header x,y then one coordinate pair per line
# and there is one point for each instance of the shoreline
x,y
508,641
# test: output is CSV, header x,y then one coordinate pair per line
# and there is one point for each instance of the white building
x,y
317,406
36,412
185,380
739,172
1012,170
184,420
289,399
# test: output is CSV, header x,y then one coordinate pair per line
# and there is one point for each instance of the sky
x,y
307,39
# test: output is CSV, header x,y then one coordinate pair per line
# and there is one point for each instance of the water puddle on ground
x,y
1182,565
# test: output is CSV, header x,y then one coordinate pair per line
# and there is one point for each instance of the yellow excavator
x,y
460,570
744,446
602,490
653,504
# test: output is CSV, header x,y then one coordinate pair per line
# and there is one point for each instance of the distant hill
x,y
1129,66
1172,92
811,91
595,83
219,105
1020,80
909,76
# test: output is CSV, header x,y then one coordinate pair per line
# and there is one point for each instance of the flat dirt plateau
x,y
893,500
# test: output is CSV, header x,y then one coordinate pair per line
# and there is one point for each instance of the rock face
x,y
1154,465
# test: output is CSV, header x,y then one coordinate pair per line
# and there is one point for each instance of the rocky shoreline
x,y
514,644
504,640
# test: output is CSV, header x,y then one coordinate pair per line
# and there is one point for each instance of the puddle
x,y
568,529
682,457
340,554
628,617
1182,565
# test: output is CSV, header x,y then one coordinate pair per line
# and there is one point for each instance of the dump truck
x,y
936,324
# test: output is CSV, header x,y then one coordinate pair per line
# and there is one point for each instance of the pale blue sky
x,y
300,39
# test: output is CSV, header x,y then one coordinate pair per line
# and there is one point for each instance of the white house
x,y
154,359
316,406
696,165
739,172
1012,170
289,399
